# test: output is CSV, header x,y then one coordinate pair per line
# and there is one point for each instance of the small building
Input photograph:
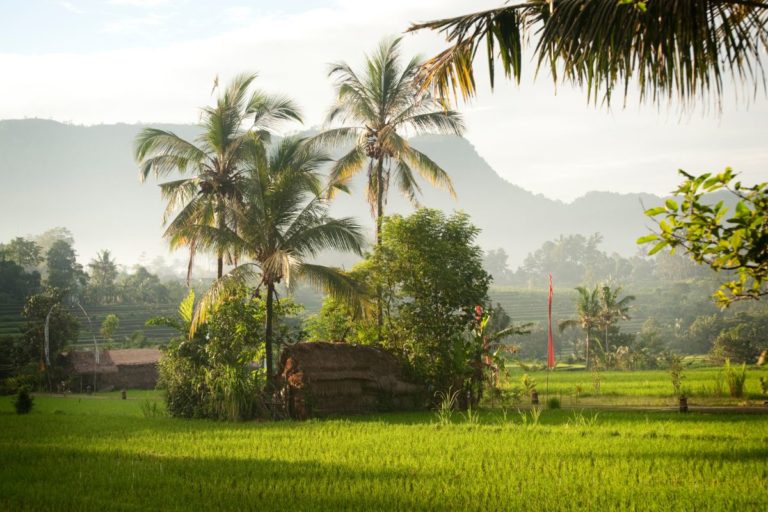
x,y
325,379
134,368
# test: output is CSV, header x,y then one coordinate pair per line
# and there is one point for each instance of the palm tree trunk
x,y
587,349
268,335
379,219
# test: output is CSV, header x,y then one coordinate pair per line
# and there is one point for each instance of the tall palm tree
x,y
668,48
231,130
378,108
103,275
587,315
612,309
281,223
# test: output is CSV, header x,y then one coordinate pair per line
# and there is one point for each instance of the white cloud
x,y
553,144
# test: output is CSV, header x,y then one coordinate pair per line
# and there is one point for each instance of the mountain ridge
x,y
84,178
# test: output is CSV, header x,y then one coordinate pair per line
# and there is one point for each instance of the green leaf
x,y
659,246
647,238
655,211
671,205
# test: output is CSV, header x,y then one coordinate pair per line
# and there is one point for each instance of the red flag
x,y
550,342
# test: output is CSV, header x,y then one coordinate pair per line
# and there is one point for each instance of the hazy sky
x,y
107,61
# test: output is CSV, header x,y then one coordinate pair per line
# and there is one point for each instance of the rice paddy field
x,y
102,453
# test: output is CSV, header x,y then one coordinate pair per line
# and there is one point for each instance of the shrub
x,y
24,402
735,378
553,403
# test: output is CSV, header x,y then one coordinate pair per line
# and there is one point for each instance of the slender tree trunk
x,y
268,336
587,349
220,255
219,266
379,219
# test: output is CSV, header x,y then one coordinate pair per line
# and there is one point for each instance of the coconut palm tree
x,y
612,309
669,49
236,126
587,315
378,108
281,223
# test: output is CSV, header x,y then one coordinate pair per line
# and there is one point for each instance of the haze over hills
x,y
84,178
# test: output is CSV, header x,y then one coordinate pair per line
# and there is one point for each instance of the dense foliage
x,y
737,242
218,372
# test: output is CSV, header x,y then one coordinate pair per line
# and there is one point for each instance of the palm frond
x,y
220,288
680,49
161,152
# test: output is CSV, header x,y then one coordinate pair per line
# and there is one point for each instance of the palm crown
x,y
378,109
281,223
235,128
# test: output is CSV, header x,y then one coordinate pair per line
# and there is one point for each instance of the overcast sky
x,y
108,61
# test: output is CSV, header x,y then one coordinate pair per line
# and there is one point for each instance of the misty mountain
x,y
85,178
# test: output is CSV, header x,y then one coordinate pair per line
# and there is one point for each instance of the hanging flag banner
x,y
550,342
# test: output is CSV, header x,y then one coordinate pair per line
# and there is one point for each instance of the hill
x,y
84,178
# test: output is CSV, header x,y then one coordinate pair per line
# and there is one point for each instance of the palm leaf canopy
x,y
379,106
669,49
282,223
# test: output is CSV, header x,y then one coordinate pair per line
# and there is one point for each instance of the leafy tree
x,y
16,284
378,106
232,131
683,49
214,372
571,259
64,272
740,337
102,277
495,263
587,315
737,243
143,287
282,223
63,328
109,326
431,274
25,253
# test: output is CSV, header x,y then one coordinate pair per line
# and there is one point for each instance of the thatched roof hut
x,y
127,368
324,379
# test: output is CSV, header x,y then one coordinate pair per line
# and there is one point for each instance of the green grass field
x,y
102,453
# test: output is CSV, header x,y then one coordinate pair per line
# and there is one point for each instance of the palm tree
x,y
378,107
281,222
612,309
236,126
103,275
588,315
668,48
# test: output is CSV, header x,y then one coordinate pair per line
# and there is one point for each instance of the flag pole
x,y
550,341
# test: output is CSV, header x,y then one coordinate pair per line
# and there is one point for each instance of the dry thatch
x,y
324,379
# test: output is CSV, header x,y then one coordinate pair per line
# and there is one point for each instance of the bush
x,y
735,378
553,403
24,402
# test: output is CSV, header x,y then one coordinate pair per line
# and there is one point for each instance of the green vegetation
x,y
735,244
681,50
547,460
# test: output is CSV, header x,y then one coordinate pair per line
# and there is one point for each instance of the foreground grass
x,y
100,453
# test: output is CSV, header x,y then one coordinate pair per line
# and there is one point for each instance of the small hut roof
x,y
134,356
338,361
109,360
